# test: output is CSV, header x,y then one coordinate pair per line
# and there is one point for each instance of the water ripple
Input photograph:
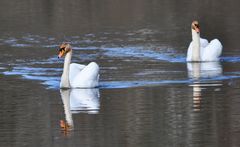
x,y
51,78
94,48
230,59
149,50
146,53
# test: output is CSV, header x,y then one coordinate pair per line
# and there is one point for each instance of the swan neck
x,y
65,83
196,46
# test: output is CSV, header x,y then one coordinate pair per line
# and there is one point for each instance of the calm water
x,y
148,94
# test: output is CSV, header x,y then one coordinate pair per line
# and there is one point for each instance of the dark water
x,y
148,94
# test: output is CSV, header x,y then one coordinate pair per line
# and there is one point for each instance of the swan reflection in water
x,y
78,101
203,70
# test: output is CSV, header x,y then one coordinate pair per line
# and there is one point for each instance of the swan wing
x,y
189,52
85,76
74,70
212,51
203,42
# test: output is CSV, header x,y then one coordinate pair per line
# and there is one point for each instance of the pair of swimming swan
x,y
81,76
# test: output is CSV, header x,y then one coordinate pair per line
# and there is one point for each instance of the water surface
x,y
148,94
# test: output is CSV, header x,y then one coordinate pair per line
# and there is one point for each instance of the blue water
x,y
49,75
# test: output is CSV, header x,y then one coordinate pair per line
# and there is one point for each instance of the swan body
x,y
200,49
81,76
77,75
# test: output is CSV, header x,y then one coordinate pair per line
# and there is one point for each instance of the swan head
x,y
64,48
195,26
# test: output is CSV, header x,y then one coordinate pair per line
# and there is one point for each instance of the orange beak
x,y
197,30
60,54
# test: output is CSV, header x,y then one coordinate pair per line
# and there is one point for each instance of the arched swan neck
x,y
196,46
65,76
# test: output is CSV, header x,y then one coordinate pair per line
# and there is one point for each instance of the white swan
x,y
77,75
200,50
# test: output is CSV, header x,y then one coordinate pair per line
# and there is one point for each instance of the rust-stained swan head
x,y
64,48
195,26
